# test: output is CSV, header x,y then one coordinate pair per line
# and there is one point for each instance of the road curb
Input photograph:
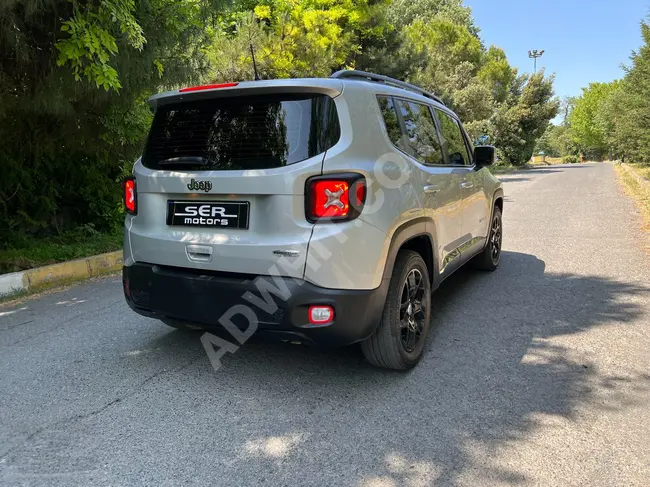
x,y
72,270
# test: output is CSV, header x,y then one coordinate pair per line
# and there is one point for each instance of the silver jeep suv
x,y
323,211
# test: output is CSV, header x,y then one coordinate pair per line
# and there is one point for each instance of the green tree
x,y
629,107
524,117
75,76
90,40
545,142
496,73
402,13
556,141
292,38
447,57
566,107
588,120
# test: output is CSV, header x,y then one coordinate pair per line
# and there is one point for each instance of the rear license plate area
x,y
208,214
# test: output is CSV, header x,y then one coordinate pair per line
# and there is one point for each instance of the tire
x,y
181,325
488,259
398,342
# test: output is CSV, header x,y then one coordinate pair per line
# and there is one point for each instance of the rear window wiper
x,y
186,161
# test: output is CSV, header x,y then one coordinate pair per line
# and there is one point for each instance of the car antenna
x,y
257,76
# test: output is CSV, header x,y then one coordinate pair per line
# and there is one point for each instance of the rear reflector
x,y
127,290
207,87
320,315
130,196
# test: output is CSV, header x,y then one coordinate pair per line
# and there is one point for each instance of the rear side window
x,y
421,132
454,140
241,133
391,121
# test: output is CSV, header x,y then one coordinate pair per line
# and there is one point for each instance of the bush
x,y
570,160
26,251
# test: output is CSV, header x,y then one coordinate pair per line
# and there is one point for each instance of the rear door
x,y
440,187
220,185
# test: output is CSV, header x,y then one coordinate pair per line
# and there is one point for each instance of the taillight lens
x,y
360,191
330,199
335,197
130,202
207,87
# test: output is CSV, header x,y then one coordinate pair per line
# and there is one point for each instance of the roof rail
x,y
353,73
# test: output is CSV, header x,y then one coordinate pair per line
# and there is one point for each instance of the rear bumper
x,y
279,305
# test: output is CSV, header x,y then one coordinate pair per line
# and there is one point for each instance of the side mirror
x,y
484,155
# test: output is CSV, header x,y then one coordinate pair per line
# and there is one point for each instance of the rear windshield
x,y
241,132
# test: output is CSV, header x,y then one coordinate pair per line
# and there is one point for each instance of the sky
x,y
584,40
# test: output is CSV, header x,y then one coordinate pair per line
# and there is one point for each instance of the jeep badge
x,y
199,185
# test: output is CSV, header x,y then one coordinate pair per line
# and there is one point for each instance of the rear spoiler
x,y
331,87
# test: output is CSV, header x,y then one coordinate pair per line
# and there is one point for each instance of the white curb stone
x,y
12,283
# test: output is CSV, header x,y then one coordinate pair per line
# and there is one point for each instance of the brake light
x,y
335,197
330,199
130,202
208,87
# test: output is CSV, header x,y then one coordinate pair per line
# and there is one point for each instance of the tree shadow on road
x,y
491,371
521,174
513,179
498,368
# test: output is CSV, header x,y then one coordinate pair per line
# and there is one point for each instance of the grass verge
x,y
28,252
637,191
501,169
642,170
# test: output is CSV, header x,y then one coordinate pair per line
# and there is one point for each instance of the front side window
x,y
421,132
241,133
453,140
468,143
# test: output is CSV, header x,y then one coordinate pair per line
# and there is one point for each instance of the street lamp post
x,y
534,54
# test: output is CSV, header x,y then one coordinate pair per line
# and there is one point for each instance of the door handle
x,y
467,185
431,189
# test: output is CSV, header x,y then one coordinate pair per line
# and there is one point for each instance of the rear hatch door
x,y
220,185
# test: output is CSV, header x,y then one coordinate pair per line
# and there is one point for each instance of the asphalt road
x,y
537,374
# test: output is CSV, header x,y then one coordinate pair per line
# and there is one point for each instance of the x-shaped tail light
x,y
335,197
